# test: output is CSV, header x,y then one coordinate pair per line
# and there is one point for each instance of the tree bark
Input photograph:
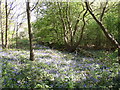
x,y
17,36
2,40
109,36
6,28
29,31
70,29
63,25
119,31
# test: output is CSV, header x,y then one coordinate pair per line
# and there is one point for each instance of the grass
x,y
55,69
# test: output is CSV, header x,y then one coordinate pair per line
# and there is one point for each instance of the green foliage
x,y
111,22
86,73
20,43
48,28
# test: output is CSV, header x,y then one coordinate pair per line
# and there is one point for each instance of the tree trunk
x,y
6,30
69,29
2,40
119,31
17,36
109,36
29,31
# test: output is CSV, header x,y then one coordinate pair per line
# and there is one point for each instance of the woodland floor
x,y
64,68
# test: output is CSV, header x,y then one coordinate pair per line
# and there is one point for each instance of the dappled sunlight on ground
x,y
65,63
58,64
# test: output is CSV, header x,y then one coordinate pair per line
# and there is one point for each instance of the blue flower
x,y
4,82
94,79
3,64
90,86
103,67
14,68
17,73
14,72
26,81
98,77
10,78
84,85
80,64
17,83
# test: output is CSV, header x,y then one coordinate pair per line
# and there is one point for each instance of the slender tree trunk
x,y
29,31
68,29
2,40
6,31
63,25
17,36
119,31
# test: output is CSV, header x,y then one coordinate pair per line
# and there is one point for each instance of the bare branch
x,y
34,6
103,11
77,21
10,7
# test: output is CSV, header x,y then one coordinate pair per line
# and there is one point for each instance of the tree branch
x,y
34,6
103,11
112,39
